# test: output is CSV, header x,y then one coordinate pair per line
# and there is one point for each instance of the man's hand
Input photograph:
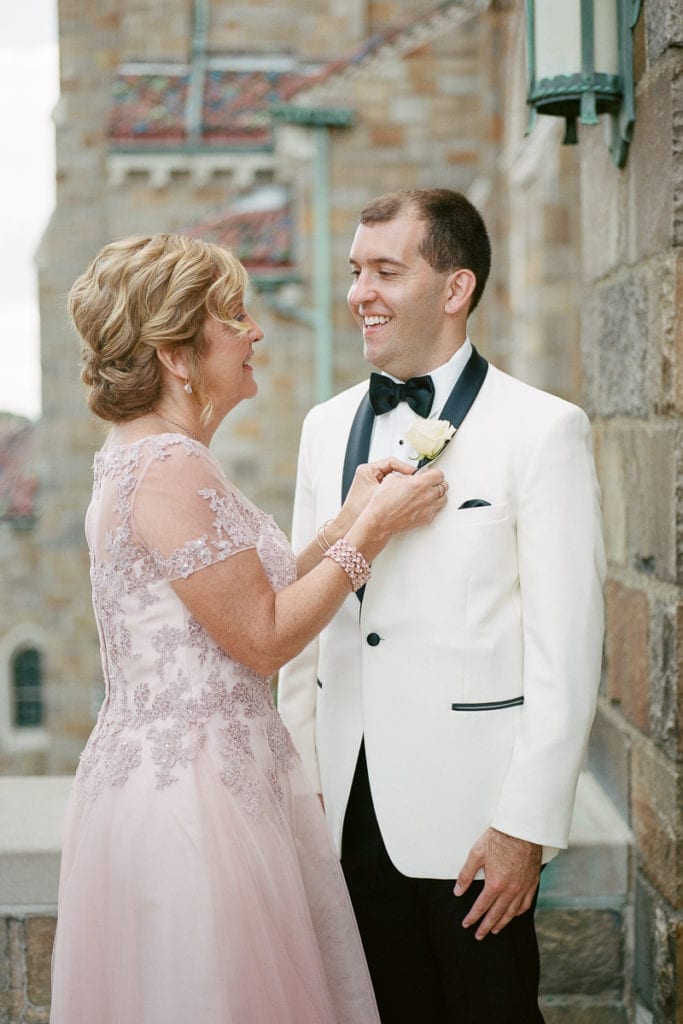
x,y
512,868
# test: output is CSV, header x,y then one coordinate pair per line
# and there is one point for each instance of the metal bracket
x,y
624,118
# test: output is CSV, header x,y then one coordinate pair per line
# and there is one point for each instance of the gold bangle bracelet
x,y
321,530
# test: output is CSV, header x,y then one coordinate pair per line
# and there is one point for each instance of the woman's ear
x,y
173,361
460,288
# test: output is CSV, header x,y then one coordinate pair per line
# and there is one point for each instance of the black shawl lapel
x,y
457,406
358,444
466,389
357,449
464,392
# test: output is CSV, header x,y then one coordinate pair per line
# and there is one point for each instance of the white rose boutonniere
x,y
429,437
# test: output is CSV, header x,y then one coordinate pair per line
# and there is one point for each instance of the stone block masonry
x,y
25,955
631,340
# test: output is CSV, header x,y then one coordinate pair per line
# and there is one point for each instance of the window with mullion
x,y
27,689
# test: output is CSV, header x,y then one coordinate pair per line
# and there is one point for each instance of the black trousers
x,y
425,967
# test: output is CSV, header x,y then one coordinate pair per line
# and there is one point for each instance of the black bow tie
x,y
385,394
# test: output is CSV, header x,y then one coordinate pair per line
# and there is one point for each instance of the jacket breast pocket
x,y
480,515
472,546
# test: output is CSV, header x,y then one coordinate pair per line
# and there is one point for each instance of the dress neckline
x,y
109,447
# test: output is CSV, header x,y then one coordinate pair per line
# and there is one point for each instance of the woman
x,y
198,882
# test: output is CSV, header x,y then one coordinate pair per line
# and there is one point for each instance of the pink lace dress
x,y
198,884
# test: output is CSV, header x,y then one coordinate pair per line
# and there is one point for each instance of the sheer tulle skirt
x,y
177,905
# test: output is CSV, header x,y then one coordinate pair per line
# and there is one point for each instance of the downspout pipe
x,y
321,121
322,268
194,108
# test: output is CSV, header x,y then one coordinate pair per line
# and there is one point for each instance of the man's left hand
x,y
512,869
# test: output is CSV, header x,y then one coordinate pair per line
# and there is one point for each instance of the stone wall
x,y
88,59
25,955
143,35
20,622
420,120
315,30
528,190
632,339
405,103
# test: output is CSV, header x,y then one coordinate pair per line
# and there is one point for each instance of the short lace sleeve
x,y
184,512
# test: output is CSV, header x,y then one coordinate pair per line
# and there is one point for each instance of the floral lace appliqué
x,y
171,691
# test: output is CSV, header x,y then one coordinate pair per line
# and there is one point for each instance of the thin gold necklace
x,y
174,423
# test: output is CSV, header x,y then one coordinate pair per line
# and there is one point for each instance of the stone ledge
x,y
580,1010
594,870
32,812
580,910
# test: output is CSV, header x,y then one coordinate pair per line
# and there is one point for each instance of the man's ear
x,y
460,288
173,360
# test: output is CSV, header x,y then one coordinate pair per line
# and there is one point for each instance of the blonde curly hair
x,y
147,293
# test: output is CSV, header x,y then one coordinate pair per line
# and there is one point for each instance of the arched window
x,y
27,689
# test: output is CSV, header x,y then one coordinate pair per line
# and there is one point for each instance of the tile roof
x,y
150,108
236,104
150,105
393,43
18,477
257,227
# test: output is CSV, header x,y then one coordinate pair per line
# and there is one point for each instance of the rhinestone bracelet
x,y
351,561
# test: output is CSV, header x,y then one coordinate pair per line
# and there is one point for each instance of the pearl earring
x,y
188,387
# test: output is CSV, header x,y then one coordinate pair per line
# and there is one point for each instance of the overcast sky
x,y
28,93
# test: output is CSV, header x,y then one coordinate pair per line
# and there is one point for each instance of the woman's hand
x,y
385,497
235,602
366,482
401,503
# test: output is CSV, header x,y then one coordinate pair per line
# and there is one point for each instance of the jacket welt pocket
x,y
480,514
489,705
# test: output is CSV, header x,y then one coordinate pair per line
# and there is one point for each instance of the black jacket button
x,y
373,639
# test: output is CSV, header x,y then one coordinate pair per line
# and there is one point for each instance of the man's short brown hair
x,y
455,236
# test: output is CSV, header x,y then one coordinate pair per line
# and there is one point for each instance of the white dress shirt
x,y
389,428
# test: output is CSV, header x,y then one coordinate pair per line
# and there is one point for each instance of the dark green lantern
x,y
580,55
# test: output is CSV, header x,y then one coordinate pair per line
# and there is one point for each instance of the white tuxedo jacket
x,y
472,665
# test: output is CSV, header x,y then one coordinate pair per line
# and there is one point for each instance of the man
x,y
445,716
